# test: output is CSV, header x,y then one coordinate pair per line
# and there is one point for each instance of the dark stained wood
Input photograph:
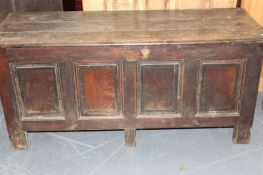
x,y
163,52
219,87
155,27
130,135
68,97
159,86
17,135
219,51
251,82
129,70
99,87
38,90
252,75
129,89
241,135
190,85
149,123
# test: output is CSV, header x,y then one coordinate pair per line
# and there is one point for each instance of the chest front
x,y
76,83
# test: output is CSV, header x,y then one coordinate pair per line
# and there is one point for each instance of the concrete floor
x,y
167,152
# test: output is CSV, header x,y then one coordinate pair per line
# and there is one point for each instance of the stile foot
x,y
18,139
130,135
241,134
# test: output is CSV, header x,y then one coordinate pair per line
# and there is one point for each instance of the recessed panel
x,y
159,85
98,89
37,89
220,87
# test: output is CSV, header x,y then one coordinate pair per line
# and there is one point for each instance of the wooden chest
x,y
67,71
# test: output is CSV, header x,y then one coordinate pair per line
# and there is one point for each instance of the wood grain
x,y
98,89
128,27
38,91
159,88
17,135
115,5
130,135
157,122
219,87
152,48
129,89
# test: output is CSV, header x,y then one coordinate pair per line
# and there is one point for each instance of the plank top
x,y
128,28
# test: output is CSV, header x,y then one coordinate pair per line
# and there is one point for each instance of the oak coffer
x,y
67,71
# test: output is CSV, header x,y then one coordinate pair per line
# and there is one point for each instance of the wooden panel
x,y
113,5
38,91
98,89
219,87
159,88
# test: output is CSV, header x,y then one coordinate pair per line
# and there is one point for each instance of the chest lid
x,y
128,28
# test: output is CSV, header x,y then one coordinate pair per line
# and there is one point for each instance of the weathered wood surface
x,y
151,27
114,5
130,135
124,74
16,134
